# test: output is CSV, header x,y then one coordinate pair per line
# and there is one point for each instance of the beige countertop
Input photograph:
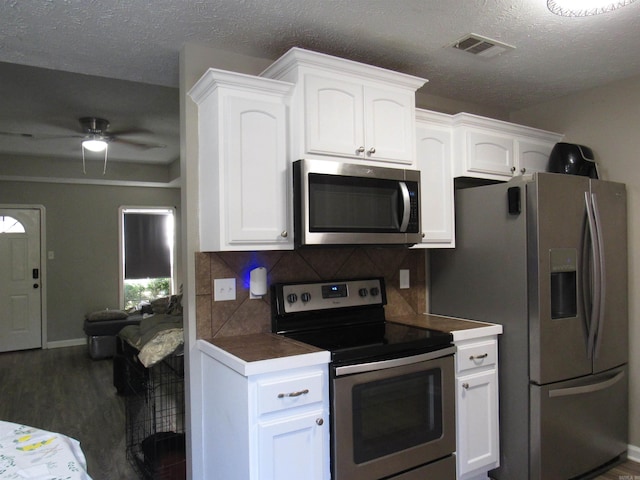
x,y
462,329
262,353
266,352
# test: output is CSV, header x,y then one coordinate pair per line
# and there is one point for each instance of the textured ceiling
x,y
140,40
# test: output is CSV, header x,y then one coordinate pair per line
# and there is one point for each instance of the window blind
x,y
146,246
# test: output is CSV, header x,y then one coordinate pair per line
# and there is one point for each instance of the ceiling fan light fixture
x,y
94,144
584,8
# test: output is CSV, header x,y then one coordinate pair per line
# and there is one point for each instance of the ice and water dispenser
x,y
564,294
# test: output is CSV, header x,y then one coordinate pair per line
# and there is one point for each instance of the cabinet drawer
x,y
476,355
289,392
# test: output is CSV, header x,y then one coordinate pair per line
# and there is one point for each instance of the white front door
x,y
20,279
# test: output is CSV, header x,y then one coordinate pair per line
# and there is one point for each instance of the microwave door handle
x,y
406,204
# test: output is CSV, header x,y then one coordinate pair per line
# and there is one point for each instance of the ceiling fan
x,y
96,137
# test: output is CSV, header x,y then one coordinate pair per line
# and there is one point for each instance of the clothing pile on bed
x,y
158,335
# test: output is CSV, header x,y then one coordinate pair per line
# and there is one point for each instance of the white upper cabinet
x,y
346,109
497,150
433,154
244,197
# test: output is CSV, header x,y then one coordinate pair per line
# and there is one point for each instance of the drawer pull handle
x,y
294,394
465,386
478,357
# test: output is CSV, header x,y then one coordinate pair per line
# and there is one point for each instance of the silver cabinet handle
x,y
319,421
522,170
465,386
284,234
371,151
360,150
294,394
513,169
478,357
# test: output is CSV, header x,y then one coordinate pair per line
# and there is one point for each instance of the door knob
x,y
35,285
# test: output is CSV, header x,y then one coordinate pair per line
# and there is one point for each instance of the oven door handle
x,y
395,362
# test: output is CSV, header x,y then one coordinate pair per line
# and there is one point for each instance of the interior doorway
x,y
21,282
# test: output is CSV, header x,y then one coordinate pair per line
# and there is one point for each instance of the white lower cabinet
x,y
290,446
478,447
272,425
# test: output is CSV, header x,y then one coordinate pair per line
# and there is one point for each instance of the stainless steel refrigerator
x,y
546,257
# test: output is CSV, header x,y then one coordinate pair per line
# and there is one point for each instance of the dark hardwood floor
x,y
64,390
625,471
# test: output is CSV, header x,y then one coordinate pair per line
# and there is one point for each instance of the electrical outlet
x,y
224,289
404,279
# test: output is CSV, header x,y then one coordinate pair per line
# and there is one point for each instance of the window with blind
x,y
147,254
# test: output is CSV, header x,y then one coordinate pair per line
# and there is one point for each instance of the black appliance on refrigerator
x,y
546,257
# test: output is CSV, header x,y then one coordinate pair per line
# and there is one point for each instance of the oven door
x,y
392,416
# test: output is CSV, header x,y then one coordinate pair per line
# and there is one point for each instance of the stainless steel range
x,y
391,387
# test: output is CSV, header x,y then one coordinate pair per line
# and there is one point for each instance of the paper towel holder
x,y
258,282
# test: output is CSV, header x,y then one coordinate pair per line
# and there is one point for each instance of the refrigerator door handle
x,y
603,281
595,280
593,387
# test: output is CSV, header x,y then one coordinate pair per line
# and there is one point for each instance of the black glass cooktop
x,y
347,318
374,341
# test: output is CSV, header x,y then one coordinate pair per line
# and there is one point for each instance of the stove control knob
x,y
375,291
363,292
305,297
292,298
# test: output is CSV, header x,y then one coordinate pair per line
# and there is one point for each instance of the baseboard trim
x,y
74,342
633,453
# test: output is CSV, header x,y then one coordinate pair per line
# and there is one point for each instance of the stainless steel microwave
x,y
338,203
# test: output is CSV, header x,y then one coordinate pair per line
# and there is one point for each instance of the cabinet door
x,y
256,213
389,125
293,448
433,153
333,116
491,154
477,406
533,156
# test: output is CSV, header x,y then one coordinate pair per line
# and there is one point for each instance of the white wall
x,y
194,61
82,232
607,119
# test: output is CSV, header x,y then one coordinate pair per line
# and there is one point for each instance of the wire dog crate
x,y
154,409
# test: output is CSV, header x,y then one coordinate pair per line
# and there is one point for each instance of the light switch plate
x,y
224,289
404,279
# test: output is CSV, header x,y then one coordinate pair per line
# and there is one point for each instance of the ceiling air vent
x,y
481,46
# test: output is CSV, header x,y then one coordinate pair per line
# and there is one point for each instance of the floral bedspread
x,y
28,452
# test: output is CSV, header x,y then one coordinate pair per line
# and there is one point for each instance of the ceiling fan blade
x,y
38,136
130,131
137,144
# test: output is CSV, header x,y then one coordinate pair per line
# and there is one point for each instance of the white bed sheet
x,y
28,452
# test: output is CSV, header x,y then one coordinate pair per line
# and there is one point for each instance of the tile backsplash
x,y
244,315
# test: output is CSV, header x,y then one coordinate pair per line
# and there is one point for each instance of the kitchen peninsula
x,y
268,402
